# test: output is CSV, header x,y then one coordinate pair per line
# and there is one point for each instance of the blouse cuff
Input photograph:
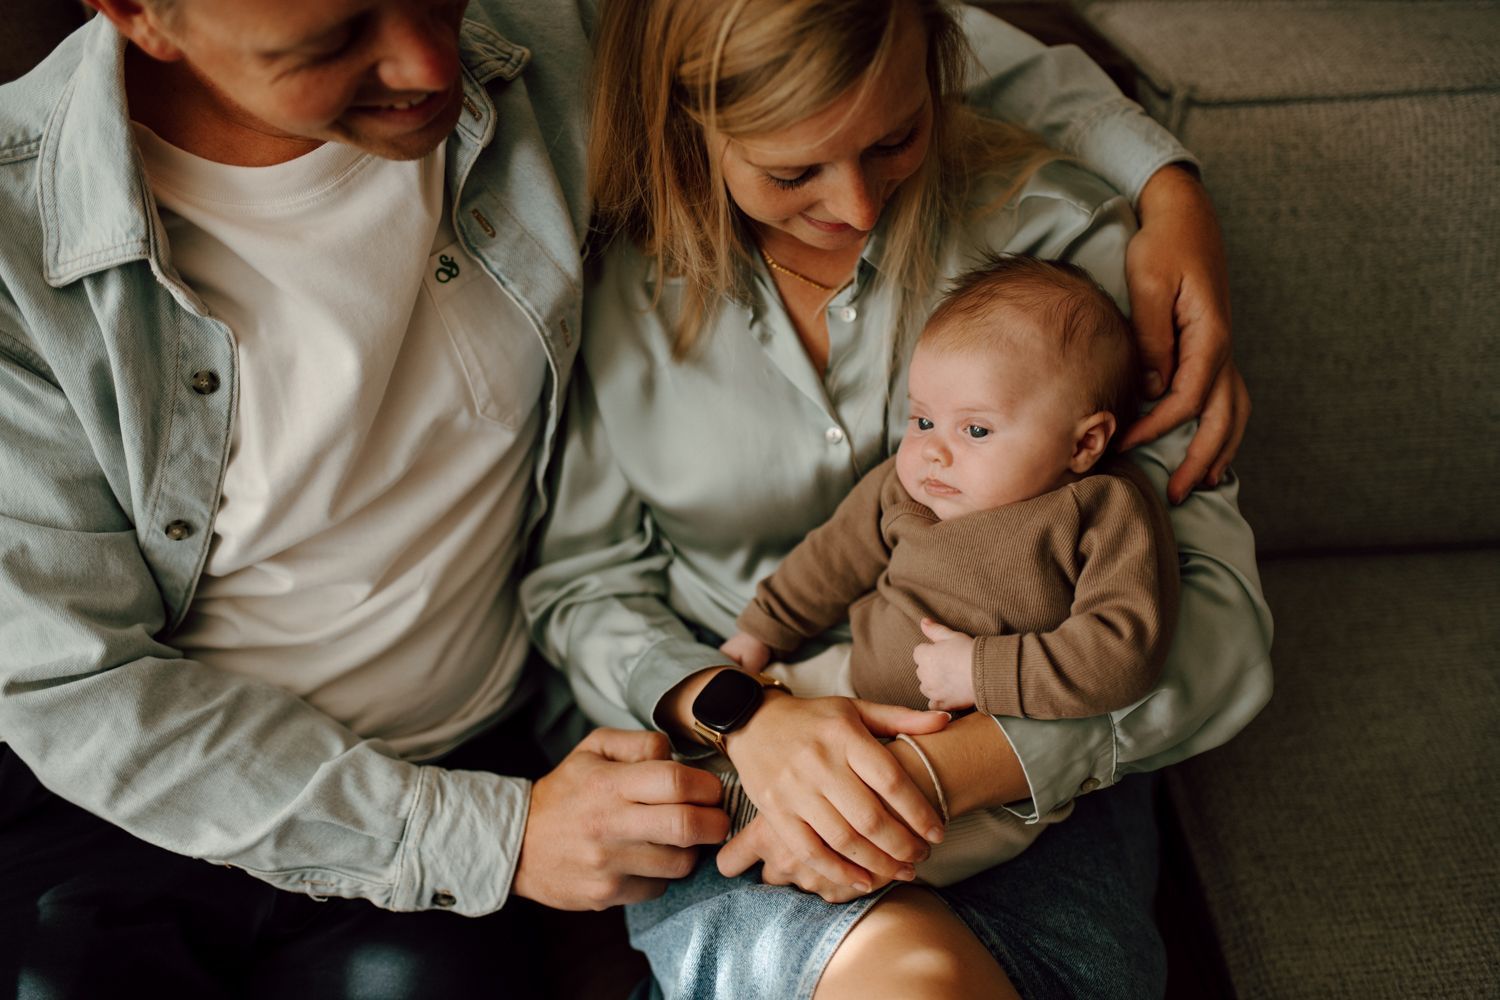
x,y
661,668
1061,758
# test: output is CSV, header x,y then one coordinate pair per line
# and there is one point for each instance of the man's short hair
x,y
1089,333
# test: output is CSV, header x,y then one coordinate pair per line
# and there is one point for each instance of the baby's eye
x,y
923,424
975,431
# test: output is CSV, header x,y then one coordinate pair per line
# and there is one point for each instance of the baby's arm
x,y
830,569
1108,653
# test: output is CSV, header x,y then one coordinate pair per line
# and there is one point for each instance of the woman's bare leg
x,y
910,945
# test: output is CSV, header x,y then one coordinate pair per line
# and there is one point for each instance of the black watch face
x,y
727,702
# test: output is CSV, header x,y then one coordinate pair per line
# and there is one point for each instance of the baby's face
x,y
987,428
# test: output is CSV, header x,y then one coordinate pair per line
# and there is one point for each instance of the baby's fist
x,y
749,652
945,668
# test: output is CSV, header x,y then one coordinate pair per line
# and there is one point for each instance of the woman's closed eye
x,y
792,183
899,147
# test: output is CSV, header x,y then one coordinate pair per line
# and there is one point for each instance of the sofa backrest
x,y
1353,151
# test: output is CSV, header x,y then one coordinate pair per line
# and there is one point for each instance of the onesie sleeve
x,y
831,568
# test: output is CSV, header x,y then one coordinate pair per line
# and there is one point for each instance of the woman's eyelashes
x,y
892,149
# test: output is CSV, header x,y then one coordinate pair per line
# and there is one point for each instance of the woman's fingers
x,y
1153,296
1241,397
889,720
883,775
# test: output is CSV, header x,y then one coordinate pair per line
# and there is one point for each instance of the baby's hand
x,y
749,652
946,667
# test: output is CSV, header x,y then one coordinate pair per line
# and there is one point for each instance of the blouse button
x,y
444,900
178,530
848,314
206,382
1089,785
834,435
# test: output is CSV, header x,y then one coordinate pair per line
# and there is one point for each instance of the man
x,y
291,292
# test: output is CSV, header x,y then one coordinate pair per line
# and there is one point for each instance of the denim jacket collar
x,y
91,188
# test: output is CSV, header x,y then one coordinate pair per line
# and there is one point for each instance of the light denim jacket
x,y
111,460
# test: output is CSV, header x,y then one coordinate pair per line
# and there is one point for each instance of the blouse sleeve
x,y
1063,96
597,601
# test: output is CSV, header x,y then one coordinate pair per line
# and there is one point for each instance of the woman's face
x,y
825,179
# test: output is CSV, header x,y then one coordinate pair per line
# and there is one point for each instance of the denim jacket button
x,y
205,383
178,530
446,900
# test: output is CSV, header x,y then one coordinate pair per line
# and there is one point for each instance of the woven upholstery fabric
x,y
1306,49
1346,840
1353,151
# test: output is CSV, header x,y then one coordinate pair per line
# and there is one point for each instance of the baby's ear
x,y
1091,440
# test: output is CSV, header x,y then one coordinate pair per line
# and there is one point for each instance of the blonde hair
x,y
667,70
1071,315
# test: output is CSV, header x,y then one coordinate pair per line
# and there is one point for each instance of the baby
x,y
1004,559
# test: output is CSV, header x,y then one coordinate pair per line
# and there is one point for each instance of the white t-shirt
x,y
384,440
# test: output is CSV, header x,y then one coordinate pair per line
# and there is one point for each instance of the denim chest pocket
x,y
502,362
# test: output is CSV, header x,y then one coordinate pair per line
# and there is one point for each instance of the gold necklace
x,y
775,265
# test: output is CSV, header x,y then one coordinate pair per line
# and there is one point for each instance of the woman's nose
x,y
856,201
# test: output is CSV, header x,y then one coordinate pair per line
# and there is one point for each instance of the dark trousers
x,y
88,911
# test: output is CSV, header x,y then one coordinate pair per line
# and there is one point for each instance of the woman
x,y
788,186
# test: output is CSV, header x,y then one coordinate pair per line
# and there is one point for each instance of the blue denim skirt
x,y
1070,917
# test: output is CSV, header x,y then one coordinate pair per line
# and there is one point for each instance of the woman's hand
x,y
836,798
1179,295
758,842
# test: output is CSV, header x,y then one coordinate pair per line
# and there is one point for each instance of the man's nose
x,y
419,49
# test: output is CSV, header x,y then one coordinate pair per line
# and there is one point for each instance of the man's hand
x,y
614,821
749,652
758,842
945,667
1179,298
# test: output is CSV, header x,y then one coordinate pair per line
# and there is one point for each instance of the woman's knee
x,y
911,945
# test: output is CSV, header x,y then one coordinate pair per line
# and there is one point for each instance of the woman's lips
x,y
826,227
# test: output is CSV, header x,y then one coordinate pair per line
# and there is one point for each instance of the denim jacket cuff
x,y
1061,758
463,839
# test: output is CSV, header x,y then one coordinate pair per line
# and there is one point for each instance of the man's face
x,y
382,75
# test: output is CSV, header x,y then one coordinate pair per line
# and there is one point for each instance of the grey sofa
x,y
1348,842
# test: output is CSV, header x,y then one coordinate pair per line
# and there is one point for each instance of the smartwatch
x,y
727,702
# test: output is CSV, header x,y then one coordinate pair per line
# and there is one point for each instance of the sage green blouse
x,y
681,484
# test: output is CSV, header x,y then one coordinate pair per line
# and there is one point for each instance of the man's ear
x,y
1091,440
144,24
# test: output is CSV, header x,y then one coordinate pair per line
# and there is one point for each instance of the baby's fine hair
x,y
1090,333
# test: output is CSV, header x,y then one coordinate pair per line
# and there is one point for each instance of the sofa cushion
x,y
1353,150
1346,841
